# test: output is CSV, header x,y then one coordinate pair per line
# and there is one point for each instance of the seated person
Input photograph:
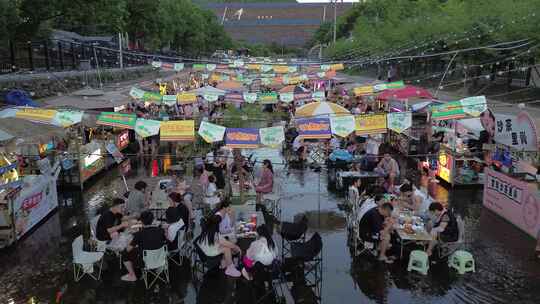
x,y
262,250
183,188
445,228
224,211
148,238
414,199
299,148
211,196
177,218
211,244
110,222
376,225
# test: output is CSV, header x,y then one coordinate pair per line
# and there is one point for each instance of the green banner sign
x,y
119,120
211,132
272,136
147,127
267,98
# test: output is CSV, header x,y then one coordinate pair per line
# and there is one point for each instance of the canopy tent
x,y
292,89
29,132
405,93
107,100
321,108
231,85
207,90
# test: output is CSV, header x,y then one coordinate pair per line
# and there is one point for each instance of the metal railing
x,y
60,55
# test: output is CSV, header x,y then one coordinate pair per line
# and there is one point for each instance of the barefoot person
x,y
376,225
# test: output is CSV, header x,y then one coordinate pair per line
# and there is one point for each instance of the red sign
x,y
32,201
122,140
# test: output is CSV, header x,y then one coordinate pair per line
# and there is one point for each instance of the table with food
x,y
411,229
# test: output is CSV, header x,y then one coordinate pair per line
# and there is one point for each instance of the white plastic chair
x,y
84,261
101,246
155,264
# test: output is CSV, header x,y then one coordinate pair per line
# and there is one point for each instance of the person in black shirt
x,y
110,222
219,169
148,238
375,225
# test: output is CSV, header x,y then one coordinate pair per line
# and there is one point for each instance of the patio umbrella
x,y
321,108
292,89
405,93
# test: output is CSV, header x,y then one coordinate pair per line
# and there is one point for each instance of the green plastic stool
x,y
419,261
462,261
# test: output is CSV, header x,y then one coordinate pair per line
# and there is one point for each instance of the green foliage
x,y
374,27
178,25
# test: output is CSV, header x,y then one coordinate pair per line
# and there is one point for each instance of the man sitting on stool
x,y
376,225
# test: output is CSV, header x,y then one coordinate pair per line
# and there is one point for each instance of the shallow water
x,y
505,268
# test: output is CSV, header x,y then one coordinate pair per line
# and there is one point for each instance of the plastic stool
x,y
462,261
419,261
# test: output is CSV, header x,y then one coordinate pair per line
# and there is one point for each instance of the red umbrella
x,y
404,93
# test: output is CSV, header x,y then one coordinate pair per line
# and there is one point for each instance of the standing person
x,y
354,192
390,169
211,244
136,202
266,184
211,196
219,168
150,237
299,148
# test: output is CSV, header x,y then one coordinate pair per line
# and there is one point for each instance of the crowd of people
x,y
133,223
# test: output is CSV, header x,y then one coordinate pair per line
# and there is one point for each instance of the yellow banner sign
x,y
295,80
40,115
177,130
370,124
337,67
253,66
366,90
281,69
185,98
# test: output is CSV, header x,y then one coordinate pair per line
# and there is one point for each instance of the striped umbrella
x,y
321,108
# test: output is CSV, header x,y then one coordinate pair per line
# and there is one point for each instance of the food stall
x,y
25,201
459,161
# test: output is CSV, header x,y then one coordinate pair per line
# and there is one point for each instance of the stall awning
x,y
28,131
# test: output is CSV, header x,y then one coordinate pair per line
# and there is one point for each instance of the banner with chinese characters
x,y
36,114
152,97
210,97
272,136
249,97
136,93
169,100
210,132
388,86
466,107
342,125
515,131
147,127
513,199
178,66
267,98
286,97
337,67
399,121
318,96
199,67
317,128
210,67
281,69
253,66
242,138
67,118
370,124
118,120
365,90
186,98
177,130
